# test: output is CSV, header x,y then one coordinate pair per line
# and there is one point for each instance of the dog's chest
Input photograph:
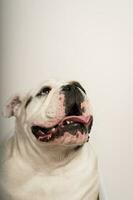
x,y
76,186
79,181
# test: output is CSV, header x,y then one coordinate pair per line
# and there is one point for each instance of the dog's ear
x,y
12,106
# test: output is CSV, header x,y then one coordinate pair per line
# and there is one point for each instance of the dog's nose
x,y
73,98
67,88
72,86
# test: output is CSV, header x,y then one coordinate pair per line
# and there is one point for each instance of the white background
x,y
85,40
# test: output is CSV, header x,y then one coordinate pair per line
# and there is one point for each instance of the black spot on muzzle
x,y
73,98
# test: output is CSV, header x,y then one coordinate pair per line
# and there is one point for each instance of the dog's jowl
x,y
49,157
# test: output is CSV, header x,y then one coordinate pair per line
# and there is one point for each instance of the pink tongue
x,y
81,119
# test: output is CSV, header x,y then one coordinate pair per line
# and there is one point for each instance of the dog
x,y
50,157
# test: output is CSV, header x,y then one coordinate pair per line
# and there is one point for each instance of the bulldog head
x,y
55,113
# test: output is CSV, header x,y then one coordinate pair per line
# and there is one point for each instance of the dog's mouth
x,y
70,124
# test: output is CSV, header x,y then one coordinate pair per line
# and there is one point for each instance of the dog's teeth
x,y
71,122
49,136
41,132
67,122
53,129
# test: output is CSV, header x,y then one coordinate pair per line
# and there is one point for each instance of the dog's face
x,y
55,113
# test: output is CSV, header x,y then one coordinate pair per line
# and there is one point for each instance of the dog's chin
x,y
70,130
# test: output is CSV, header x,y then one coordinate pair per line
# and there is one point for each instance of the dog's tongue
x,y
81,119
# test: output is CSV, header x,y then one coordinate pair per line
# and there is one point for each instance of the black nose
x,y
73,85
67,88
73,98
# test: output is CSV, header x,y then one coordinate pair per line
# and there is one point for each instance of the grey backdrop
x,y
84,40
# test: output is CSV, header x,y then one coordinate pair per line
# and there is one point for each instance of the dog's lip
x,y
81,119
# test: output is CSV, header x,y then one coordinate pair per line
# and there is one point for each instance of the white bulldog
x,y
49,156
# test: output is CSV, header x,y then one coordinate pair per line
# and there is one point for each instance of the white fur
x,y
33,170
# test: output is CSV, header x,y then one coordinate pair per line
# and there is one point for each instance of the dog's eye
x,y
44,91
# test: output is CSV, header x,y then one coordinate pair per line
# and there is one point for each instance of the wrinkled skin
x,y
40,162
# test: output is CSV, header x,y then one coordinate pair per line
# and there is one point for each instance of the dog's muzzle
x,y
75,125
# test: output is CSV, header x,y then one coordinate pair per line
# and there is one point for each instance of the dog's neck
x,y
43,155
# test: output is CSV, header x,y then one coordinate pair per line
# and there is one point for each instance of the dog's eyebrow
x,y
28,101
